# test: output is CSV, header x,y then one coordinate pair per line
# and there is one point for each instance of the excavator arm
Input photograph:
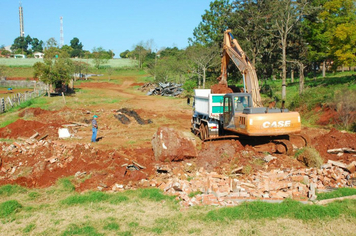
x,y
233,51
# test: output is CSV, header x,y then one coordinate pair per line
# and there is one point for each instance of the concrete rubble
x,y
163,89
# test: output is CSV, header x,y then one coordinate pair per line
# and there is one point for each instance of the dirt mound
x,y
335,139
219,88
32,112
26,128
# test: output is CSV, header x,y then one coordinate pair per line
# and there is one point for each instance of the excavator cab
x,y
235,103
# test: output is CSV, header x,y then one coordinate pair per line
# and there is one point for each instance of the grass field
x,y
59,210
28,62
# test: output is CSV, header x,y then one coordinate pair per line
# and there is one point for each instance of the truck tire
x,y
202,131
206,131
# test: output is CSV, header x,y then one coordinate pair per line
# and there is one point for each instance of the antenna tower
x,y
62,38
22,32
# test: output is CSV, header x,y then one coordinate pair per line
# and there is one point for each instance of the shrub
x,y
310,157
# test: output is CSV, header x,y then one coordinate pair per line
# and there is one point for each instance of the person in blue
x,y
94,124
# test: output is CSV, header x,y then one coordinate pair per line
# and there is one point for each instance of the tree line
x,y
28,46
281,37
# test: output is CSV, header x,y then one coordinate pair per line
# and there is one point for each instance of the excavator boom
x,y
233,51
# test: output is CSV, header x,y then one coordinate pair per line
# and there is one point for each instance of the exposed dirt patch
x,y
335,139
219,88
26,128
33,112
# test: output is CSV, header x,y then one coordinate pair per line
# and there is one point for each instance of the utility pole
x,y
61,42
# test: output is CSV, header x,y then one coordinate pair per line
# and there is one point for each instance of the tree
x,y
140,52
20,45
77,48
51,43
201,58
100,56
125,54
250,24
340,20
80,68
286,14
36,45
54,71
314,29
214,22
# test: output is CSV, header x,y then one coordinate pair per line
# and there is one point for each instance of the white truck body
x,y
207,109
207,104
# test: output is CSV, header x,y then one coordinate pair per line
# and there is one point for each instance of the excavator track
x,y
300,140
284,146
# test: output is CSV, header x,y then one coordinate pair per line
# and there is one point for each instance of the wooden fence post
x,y
2,105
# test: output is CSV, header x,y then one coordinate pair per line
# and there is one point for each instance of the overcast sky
x,y
112,24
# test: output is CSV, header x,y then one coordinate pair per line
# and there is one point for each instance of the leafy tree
x,y
201,58
20,45
76,44
51,43
100,56
250,25
140,52
125,54
286,15
5,52
54,71
340,20
80,67
314,30
77,47
67,49
214,22
36,45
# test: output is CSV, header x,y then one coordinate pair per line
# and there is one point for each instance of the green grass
x,y
340,192
29,228
287,209
112,226
154,194
9,190
65,185
91,197
74,229
9,207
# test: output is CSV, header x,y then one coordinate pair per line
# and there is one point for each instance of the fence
x,y
18,98
22,84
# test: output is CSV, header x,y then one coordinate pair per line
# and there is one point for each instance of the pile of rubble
x,y
203,188
163,89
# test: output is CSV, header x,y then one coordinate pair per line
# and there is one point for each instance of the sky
x,y
115,25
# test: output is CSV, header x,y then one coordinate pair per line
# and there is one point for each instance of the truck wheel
x,y
206,131
202,132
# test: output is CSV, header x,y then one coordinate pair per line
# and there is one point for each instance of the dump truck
x,y
242,115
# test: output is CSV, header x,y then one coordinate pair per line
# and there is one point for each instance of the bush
x,y
310,157
64,184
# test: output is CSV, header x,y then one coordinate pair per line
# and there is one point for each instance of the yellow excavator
x,y
242,115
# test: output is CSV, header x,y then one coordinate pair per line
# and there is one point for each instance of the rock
x,y
171,145
350,167
269,158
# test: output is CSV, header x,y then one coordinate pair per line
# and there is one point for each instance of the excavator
x,y
242,115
